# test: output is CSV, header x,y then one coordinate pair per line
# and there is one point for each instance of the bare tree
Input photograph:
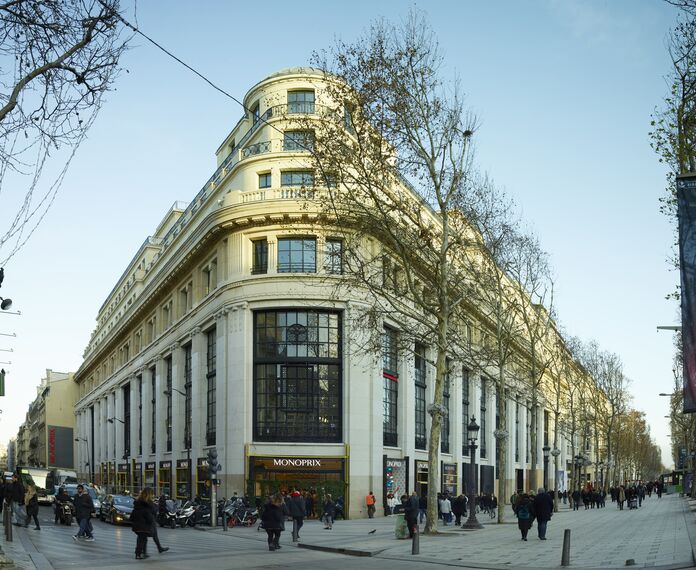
x,y
58,60
531,270
396,141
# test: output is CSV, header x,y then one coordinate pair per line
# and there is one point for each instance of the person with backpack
x,y
524,511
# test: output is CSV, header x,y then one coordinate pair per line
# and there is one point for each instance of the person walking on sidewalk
x,y
297,510
31,503
143,519
422,507
370,501
329,512
524,511
83,511
543,509
16,496
410,515
446,509
272,519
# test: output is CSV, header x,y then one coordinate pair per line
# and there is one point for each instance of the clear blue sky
x,y
564,91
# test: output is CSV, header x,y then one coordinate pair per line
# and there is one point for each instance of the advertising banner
x,y
686,201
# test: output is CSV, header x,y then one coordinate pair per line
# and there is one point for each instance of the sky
x,y
563,91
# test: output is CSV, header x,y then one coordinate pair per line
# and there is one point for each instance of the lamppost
x,y
90,471
546,449
187,443
578,461
472,429
601,474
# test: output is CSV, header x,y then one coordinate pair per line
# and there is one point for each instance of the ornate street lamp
x,y
472,429
546,449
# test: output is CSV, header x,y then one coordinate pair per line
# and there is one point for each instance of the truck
x,y
42,479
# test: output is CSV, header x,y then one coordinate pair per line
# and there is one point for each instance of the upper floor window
x,y
298,140
333,256
255,114
265,180
297,178
301,101
260,253
210,277
297,255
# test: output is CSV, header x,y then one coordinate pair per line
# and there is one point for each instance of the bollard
x,y
295,532
565,556
415,542
224,519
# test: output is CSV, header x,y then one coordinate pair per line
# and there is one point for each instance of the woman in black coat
x,y
143,519
524,511
272,519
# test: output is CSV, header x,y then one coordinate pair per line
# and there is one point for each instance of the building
x,y
223,333
46,438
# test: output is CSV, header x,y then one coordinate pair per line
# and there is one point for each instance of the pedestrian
x,y
458,506
446,510
543,510
143,521
422,507
513,500
410,514
31,503
524,511
83,511
297,512
370,501
621,497
576,496
329,512
17,500
272,519
565,497
392,502
155,512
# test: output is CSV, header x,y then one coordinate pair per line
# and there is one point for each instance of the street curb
x,y
341,550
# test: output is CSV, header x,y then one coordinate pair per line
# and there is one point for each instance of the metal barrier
x,y
7,521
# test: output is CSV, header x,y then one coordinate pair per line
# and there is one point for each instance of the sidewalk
x,y
659,534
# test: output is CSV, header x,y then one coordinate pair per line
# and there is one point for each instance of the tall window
x,y
168,376
482,412
297,376
301,101
211,393
465,411
297,255
187,391
297,178
445,427
298,140
260,261
153,423
126,419
420,380
140,415
390,383
333,256
255,113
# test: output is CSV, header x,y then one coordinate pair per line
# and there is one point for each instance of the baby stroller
x,y
633,503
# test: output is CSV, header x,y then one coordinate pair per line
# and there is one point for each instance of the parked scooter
x,y
167,515
65,512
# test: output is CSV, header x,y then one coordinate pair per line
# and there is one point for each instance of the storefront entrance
x,y
315,476
165,478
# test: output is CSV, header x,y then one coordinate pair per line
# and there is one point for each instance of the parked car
x,y
116,509
71,490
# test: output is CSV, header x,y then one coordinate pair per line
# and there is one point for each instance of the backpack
x,y
523,512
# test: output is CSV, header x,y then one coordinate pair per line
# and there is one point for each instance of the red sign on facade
x,y
51,446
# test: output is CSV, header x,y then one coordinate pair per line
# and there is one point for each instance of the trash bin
x,y
400,528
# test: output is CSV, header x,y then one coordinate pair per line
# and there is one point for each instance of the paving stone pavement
x,y
659,534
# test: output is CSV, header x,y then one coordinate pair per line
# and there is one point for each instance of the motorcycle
x,y
65,512
167,516
185,513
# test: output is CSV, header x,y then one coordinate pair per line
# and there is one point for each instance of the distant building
x,y
11,454
46,438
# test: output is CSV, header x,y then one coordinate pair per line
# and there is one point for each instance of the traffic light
x,y
213,466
